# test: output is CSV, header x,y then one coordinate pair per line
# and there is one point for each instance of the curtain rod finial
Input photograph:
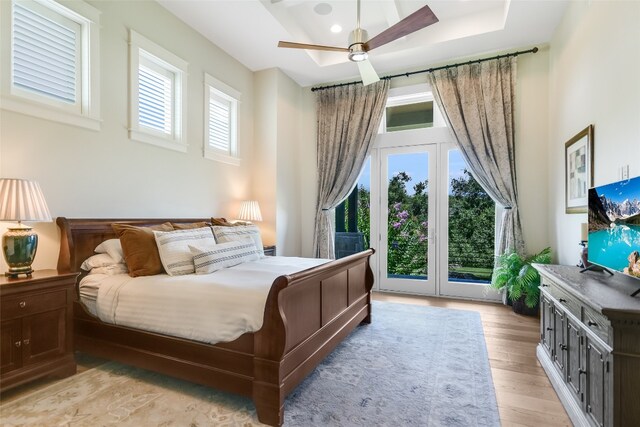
x,y
535,49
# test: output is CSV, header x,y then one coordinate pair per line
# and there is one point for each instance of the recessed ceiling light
x,y
335,28
323,8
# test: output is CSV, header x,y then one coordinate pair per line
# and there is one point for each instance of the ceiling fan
x,y
359,45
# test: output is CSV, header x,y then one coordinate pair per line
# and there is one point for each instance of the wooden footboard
x,y
307,315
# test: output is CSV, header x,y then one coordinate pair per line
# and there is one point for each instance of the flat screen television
x,y
614,226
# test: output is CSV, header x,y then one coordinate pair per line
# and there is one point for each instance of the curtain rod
x,y
431,70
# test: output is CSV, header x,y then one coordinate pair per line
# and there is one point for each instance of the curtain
x,y
348,119
477,101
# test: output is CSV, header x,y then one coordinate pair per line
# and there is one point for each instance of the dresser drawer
x,y
569,303
596,323
24,305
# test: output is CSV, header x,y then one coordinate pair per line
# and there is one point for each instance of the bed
x,y
306,316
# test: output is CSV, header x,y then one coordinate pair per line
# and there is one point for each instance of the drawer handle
x,y
18,343
22,304
27,341
544,285
562,300
549,329
563,347
590,323
582,372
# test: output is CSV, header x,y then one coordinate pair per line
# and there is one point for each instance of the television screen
x,y
614,226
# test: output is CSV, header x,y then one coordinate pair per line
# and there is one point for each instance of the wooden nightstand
x,y
37,327
270,250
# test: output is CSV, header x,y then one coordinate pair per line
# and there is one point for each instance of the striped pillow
x,y
173,247
231,234
223,255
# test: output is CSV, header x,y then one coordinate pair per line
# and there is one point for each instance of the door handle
x,y
18,343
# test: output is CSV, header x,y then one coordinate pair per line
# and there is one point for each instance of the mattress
x,y
210,308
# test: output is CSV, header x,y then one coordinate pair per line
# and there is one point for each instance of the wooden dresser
x,y
37,334
590,344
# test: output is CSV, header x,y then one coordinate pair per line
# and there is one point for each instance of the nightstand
x,y
36,326
270,250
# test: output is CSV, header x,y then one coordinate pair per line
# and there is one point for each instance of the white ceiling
x,y
249,30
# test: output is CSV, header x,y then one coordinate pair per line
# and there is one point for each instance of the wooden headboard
x,y
79,237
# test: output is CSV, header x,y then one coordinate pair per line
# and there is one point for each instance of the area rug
x,y
412,366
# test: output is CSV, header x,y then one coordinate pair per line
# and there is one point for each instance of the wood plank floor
x,y
525,396
523,391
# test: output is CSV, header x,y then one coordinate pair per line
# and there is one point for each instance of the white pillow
x,y
110,270
113,248
96,261
173,247
236,233
223,255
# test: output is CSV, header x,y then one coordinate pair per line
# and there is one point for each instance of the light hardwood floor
x,y
523,391
525,396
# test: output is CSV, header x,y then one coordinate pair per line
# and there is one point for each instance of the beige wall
x,y
594,69
85,173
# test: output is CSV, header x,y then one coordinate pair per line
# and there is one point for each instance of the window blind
x,y
45,54
155,94
220,122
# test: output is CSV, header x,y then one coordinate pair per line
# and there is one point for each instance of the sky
x,y
621,190
415,165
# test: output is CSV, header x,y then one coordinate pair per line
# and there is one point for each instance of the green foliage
x,y
471,224
514,273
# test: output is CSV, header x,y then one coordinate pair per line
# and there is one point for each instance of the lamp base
x,y
19,245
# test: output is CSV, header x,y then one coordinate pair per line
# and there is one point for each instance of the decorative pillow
x,y
223,255
173,247
222,222
113,247
140,249
97,261
230,234
189,225
110,270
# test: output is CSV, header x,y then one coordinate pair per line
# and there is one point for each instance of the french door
x,y
435,224
407,219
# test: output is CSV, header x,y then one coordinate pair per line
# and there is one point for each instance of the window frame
x,y
139,46
85,112
222,90
407,95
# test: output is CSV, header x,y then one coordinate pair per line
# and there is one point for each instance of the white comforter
x,y
211,308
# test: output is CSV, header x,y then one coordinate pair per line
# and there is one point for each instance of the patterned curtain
x,y
477,101
348,120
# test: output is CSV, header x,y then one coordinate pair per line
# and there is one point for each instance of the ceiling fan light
x,y
358,56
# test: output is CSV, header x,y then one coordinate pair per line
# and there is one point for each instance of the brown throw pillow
x,y
140,249
189,225
222,222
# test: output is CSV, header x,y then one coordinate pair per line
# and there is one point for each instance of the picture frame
x,y
578,155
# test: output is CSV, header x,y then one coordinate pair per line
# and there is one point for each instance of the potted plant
x,y
515,275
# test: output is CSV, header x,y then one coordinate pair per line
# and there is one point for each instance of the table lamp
x,y
21,200
250,211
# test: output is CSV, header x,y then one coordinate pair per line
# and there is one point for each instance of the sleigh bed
x,y
307,314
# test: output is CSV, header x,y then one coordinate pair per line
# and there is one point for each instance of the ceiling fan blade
x,y
367,73
417,20
311,46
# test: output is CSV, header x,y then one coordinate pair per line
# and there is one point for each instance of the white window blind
x,y
220,124
46,53
155,92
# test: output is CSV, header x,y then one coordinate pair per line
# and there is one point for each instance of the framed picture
x,y
578,166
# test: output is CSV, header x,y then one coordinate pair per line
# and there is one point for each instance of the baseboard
x,y
577,416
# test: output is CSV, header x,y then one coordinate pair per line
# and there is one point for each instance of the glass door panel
x,y
468,231
407,250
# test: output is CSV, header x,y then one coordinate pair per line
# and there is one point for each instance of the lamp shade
x,y
22,200
250,211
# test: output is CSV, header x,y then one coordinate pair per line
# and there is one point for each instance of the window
x,y
53,66
407,110
158,95
221,121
